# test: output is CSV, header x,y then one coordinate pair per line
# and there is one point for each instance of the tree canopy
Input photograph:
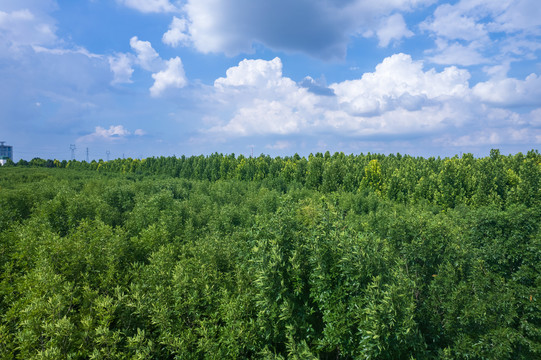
x,y
330,256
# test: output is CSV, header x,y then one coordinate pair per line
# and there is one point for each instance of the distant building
x,y
6,153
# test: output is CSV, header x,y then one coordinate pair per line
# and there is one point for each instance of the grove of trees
x,y
225,257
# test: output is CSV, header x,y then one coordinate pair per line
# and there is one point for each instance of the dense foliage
x,y
224,257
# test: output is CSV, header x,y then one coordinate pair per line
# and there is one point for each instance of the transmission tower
x,y
72,148
87,155
108,153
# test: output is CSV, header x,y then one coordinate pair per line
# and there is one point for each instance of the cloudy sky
x,y
139,78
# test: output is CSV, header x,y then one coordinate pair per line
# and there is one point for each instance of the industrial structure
x,y
6,153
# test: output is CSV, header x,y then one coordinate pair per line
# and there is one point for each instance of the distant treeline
x,y
467,180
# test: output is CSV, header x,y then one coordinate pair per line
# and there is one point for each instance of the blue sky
x,y
140,78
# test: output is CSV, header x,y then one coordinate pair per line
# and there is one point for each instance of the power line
x,y
72,148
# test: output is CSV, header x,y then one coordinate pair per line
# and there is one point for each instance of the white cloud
x,y
265,101
519,15
149,6
176,35
453,22
470,20
457,54
400,99
172,77
166,73
147,57
139,132
392,28
260,81
510,92
121,66
400,121
265,117
470,32
256,73
400,82
114,133
498,71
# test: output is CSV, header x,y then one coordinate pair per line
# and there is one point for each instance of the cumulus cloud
x,y
114,133
400,82
510,92
265,117
267,102
176,34
149,6
147,57
260,81
399,96
318,28
121,66
256,73
166,73
399,99
172,77
392,28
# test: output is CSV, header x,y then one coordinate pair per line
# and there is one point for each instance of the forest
x,y
329,256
